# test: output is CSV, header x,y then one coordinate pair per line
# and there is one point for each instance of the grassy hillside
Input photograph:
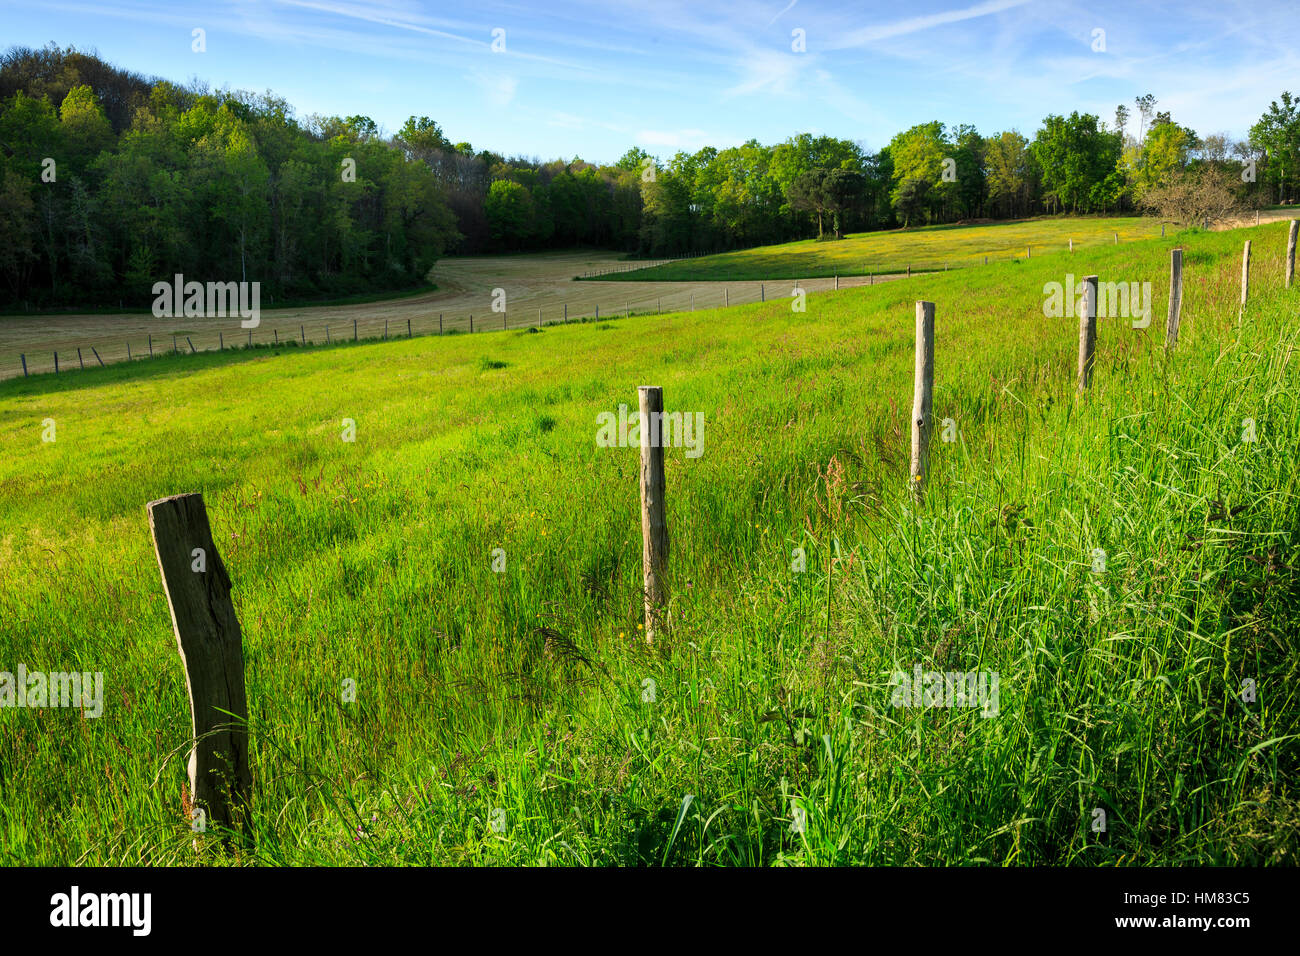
x,y
522,691
925,249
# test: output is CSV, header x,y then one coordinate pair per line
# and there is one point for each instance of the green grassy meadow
x,y
924,248
522,691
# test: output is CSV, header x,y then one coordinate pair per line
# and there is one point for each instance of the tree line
x,y
110,181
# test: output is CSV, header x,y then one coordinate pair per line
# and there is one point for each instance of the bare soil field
x,y
537,287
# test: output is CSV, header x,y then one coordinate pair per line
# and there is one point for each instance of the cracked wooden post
x,y
1175,297
1290,251
1245,280
922,397
211,648
1087,332
654,523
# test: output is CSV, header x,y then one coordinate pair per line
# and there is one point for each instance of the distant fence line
x,y
455,324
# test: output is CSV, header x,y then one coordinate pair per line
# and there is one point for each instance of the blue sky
x,y
591,79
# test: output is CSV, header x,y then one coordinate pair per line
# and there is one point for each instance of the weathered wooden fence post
x,y
1175,297
24,358
408,328
151,345
762,292
1117,238
1245,279
440,323
354,330
276,334
1029,252
211,648
1290,251
654,522
82,363
385,330
303,330
471,321
56,363
922,397
128,351
193,350
1087,332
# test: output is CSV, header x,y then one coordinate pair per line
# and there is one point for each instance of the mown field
x,y
517,697
924,249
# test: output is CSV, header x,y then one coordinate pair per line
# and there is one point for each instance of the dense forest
x,y
110,181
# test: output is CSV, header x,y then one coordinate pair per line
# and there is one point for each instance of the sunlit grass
x,y
522,691
924,249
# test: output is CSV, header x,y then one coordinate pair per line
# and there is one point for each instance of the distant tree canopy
x,y
149,179
109,183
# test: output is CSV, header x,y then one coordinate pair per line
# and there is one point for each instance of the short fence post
x,y
175,349
210,643
654,524
327,336
762,293
503,320
566,313
82,363
986,258
922,397
909,270
1087,332
303,330
56,363
440,323
837,282
1071,247
1245,279
221,342
151,346
1162,230
193,349
354,330
1029,252
1175,297
408,328
24,358
1117,238
128,351
97,358
385,329
1290,251
471,321
276,332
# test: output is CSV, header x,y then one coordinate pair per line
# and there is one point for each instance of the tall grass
x,y
522,691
